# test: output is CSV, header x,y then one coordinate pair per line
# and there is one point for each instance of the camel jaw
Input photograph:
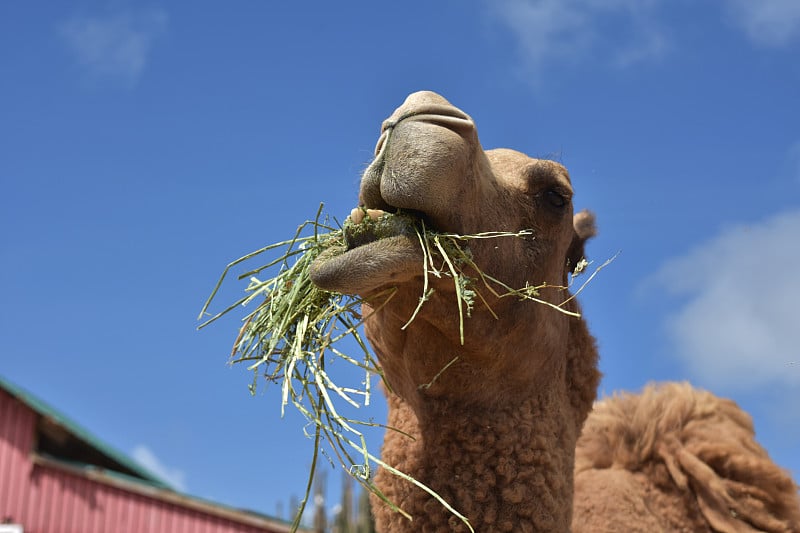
x,y
381,249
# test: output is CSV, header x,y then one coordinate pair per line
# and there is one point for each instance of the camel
x,y
491,419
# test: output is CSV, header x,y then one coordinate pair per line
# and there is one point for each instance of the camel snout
x,y
427,106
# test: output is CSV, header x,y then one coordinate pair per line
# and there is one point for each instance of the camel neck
x,y
506,467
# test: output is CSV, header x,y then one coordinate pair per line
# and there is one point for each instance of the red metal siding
x,y
48,497
17,425
65,503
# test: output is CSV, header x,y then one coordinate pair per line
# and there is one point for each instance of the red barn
x,y
55,477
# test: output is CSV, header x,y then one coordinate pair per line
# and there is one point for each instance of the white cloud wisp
x,y
173,476
116,46
554,31
738,326
767,22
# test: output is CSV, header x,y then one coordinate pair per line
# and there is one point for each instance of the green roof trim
x,y
54,415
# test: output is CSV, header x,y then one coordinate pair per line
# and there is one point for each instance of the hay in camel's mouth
x,y
365,226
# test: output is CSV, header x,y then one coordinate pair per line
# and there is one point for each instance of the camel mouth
x,y
365,226
380,249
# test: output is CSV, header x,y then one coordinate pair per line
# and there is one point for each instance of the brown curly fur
x,y
507,467
676,458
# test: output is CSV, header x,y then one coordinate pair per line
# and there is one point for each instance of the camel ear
x,y
584,227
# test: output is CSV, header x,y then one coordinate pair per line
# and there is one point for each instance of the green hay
x,y
292,333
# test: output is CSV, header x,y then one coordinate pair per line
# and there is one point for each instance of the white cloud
x,y
116,46
738,326
173,476
554,31
767,22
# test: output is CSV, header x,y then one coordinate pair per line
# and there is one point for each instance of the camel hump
x,y
692,446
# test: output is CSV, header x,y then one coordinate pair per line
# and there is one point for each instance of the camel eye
x,y
555,198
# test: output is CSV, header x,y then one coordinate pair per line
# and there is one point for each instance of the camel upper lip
x,y
438,113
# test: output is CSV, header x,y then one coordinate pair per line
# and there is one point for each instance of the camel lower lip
x,y
368,266
379,249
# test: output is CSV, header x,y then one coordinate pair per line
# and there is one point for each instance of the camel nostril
x,y
381,141
436,113
441,115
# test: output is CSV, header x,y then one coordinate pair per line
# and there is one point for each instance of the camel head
x,y
429,164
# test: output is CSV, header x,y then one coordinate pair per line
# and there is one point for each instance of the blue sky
x,y
144,146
